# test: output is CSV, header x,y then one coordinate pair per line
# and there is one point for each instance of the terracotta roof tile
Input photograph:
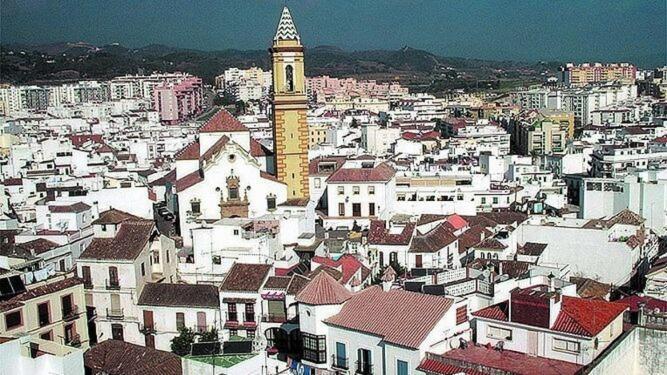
x,y
277,282
114,216
323,290
382,172
431,366
189,180
498,311
114,357
432,241
348,264
52,287
216,148
588,288
72,208
128,243
586,317
223,121
379,234
179,295
245,277
39,245
189,152
258,150
472,237
400,317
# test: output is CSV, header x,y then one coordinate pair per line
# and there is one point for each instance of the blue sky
x,y
528,30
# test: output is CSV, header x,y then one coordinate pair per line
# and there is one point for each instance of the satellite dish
x,y
454,343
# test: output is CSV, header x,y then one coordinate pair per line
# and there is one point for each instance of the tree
x,y
209,336
181,344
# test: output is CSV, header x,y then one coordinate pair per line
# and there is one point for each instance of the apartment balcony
x,y
87,285
74,341
147,329
112,285
274,318
339,363
71,313
364,368
115,314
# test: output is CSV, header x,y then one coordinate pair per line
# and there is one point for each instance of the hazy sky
x,y
634,30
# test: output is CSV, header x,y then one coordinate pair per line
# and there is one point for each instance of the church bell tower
x,y
290,130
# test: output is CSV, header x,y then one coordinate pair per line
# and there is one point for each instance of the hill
x,y
419,69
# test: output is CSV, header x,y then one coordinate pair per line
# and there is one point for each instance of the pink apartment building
x,y
178,100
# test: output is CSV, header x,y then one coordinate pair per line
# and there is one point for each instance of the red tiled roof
x,y
268,176
114,216
398,316
217,146
472,237
491,243
380,173
313,165
56,286
431,366
245,277
13,182
379,235
189,180
223,121
650,303
323,289
432,241
498,311
347,263
258,150
114,357
39,245
189,152
179,295
512,362
586,317
72,208
79,139
128,243
457,221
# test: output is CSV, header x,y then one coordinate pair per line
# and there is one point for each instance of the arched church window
x,y
289,78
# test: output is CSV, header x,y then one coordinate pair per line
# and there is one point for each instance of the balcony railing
x,y
71,313
87,284
74,341
115,314
364,368
274,318
112,285
44,320
339,363
147,329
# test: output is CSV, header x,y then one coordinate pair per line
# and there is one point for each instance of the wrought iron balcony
x,y
147,329
71,313
115,314
112,285
339,363
74,341
274,318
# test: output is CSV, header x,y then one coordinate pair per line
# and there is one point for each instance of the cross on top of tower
x,y
286,29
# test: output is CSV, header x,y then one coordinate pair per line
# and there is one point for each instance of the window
x,y
195,207
271,202
143,269
341,209
341,356
483,200
104,227
499,333
401,367
250,333
566,346
13,320
461,315
85,275
48,336
113,277
201,321
167,254
233,332
180,320
249,312
314,348
356,209
318,182
355,190
231,312
156,257
371,209
233,193
341,190
236,232
371,190
44,314
216,259
495,200
289,78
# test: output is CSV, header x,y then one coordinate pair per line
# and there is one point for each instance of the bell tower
x,y
290,104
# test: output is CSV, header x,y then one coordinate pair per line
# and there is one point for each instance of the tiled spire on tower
x,y
286,29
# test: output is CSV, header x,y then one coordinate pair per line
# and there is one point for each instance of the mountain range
x,y
415,68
